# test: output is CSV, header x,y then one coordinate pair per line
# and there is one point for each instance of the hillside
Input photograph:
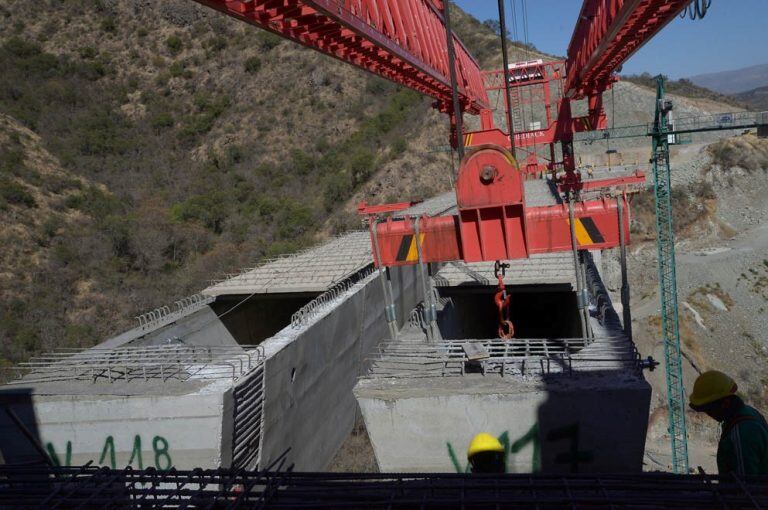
x,y
757,99
735,80
685,88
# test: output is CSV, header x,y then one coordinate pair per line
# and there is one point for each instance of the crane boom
x,y
607,33
401,40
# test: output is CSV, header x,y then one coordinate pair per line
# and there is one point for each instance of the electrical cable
x,y
514,21
515,38
613,126
697,9
524,22
702,6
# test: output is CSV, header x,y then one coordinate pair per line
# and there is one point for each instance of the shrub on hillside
x,y
747,152
215,44
336,189
252,65
174,44
294,219
268,40
101,132
109,25
29,58
14,193
176,69
362,163
161,120
209,209
399,146
303,163
209,108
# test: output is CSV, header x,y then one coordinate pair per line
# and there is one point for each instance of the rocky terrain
x,y
722,272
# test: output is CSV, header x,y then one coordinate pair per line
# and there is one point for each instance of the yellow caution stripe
x,y
407,251
587,232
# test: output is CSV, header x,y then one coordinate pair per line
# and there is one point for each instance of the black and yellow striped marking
x,y
408,252
587,232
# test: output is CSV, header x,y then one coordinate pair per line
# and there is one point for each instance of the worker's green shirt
x,y
743,447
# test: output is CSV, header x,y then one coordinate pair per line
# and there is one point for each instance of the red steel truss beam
x,y
533,74
401,40
607,33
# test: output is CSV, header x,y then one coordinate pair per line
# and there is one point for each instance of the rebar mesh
x,y
544,268
516,357
177,362
303,315
90,487
163,315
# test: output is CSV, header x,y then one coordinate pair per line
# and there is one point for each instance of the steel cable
x,y
697,9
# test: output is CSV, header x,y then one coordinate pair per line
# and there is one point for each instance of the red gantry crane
x,y
410,42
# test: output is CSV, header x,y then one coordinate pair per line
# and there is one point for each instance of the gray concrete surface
x,y
545,268
556,424
313,270
198,325
184,431
309,406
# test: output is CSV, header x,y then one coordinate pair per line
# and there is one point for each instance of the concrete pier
x,y
558,404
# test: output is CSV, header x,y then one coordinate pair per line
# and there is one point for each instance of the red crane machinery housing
x,y
406,41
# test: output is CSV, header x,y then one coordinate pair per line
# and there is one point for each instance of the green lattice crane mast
x,y
665,243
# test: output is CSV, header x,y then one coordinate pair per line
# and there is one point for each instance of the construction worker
x,y
743,446
486,454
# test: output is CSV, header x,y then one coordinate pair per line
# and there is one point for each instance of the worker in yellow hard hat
x,y
743,446
486,454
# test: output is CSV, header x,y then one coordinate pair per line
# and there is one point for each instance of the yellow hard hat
x,y
484,442
711,386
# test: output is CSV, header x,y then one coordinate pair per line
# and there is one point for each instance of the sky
x,y
731,36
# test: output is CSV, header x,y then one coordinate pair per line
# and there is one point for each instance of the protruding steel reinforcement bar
x,y
94,487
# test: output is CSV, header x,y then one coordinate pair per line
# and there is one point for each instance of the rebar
x,y
518,357
163,315
176,361
92,487
324,301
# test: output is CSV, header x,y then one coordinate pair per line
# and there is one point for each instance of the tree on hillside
x,y
494,25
